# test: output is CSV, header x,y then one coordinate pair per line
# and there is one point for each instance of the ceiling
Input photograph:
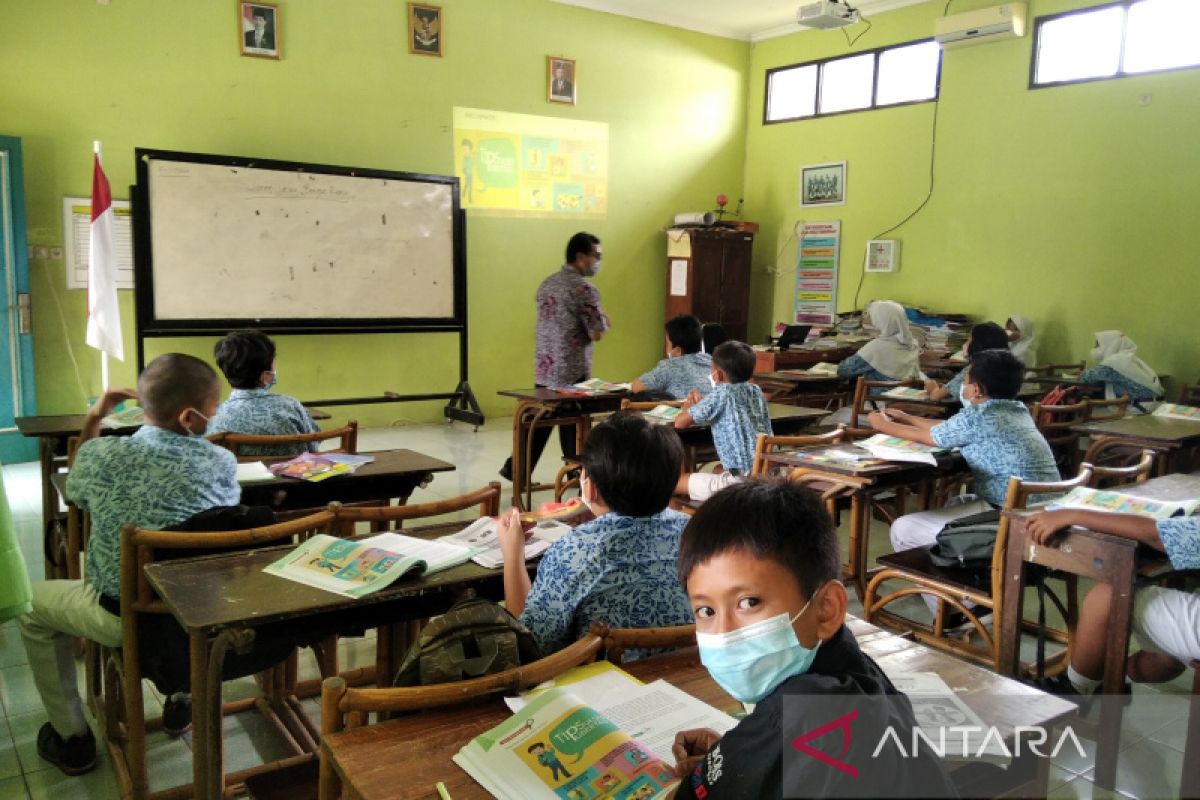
x,y
748,20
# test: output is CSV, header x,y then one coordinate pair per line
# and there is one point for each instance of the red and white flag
x,y
104,315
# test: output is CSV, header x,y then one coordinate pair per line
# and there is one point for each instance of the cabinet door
x,y
707,286
735,285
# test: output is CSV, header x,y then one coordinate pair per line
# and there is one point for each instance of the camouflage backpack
x,y
475,637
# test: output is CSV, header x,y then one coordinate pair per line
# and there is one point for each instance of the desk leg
x,y
198,655
860,524
1115,653
1012,603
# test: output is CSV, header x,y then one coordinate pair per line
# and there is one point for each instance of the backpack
x,y
1060,395
967,542
475,637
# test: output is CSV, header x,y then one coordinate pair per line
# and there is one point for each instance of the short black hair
x,y
736,359
535,746
243,356
987,336
634,464
580,244
714,336
769,518
998,372
173,382
684,332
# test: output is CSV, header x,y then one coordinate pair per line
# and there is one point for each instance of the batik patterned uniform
x,y
264,413
1168,620
615,568
678,376
569,313
1118,384
737,413
859,367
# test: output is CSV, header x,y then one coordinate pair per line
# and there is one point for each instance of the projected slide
x,y
524,164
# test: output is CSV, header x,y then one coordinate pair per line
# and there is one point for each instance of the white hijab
x,y
1115,349
1025,347
893,351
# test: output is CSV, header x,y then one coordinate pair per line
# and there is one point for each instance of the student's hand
x,y
879,419
691,746
931,386
113,397
692,398
511,535
1044,526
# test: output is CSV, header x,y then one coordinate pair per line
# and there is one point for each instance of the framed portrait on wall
x,y
560,80
425,29
258,30
823,184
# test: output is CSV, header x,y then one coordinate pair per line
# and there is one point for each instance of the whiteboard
x,y
242,241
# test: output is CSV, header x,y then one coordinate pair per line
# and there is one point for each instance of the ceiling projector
x,y
826,14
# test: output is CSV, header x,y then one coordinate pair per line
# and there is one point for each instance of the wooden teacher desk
x,y
804,355
404,758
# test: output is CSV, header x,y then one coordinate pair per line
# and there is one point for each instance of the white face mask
x,y
962,394
712,381
206,422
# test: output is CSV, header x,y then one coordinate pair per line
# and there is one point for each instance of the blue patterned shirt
x,y
261,412
858,367
737,413
998,440
155,478
1181,541
1118,383
955,384
615,568
569,313
678,376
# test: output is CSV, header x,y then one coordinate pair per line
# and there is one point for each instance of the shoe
x,y
74,756
177,716
506,470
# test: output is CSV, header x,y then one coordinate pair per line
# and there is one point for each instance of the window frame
x,y
820,65
1038,22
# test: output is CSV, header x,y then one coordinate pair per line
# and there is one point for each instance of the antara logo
x,y
842,723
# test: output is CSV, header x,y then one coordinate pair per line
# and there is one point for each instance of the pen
x,y
441,790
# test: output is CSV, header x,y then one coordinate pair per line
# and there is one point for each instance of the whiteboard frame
x,y
149,325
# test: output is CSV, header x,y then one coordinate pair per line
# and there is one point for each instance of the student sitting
x,y
736,410
684,370
893,355
995,434
761,563
1022,340
1166,621
1120,370
248,360
161,476
984,336
619,567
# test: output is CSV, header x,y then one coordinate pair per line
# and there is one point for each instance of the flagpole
x,y
103,353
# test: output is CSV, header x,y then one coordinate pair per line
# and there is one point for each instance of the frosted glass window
x,y
1080,46
1162,34
792,93
908,74
846,83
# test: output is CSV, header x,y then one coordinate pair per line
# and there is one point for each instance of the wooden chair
x,y
1056,423
1116,460
1189,394
971,592
343,708
766,445
1105,410
618,640
121,709
235,442
865,401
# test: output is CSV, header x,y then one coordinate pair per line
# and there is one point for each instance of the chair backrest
x,y
863,396
1048,370
768,444
487,499
618,640
1189,394
1104,410
1118,464
236,442
1055,424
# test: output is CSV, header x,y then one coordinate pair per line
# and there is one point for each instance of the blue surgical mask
x,y
750,662
274,379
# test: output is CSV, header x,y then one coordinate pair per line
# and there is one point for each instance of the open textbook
x,y
907,393
894,448
319,466
1124,503
356,568
663,413
480,537
559,748
1174,411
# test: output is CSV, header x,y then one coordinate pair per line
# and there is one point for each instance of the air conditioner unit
x,y
826,14
983,25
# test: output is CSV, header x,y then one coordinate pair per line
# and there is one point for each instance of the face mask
x,y
594,270
206,421
712,381
750,662
274,380
962,394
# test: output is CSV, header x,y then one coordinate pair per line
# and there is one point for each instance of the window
x,y
1125,38
887,76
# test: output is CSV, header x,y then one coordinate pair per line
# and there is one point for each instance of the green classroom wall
x,y
1074,206
143,73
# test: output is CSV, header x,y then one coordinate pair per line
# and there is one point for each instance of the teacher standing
x,y
570,320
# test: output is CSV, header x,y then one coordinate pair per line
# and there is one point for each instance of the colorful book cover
x,y
1087,499
1175,411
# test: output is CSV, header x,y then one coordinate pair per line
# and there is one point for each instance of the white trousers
x,y
63,610
920,529
703,485
1168,621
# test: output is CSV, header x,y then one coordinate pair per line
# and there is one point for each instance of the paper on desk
x,y
654,713
481,537
595,684
254,472
942,715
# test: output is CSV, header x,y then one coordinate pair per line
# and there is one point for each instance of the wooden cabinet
x,y
717,285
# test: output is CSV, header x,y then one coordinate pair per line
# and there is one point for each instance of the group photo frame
x,y
823,184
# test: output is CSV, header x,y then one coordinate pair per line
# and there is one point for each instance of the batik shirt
x,y
617,569
859,367
737,413
678,376
998,440
154,479
1118,383
568,314
1181,541
263,413
954,385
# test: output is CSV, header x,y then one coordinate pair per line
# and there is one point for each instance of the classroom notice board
x,y
223,242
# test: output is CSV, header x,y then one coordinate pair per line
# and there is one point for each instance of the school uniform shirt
x,y
264,413
1117,384
155,478
998,439
748,763
857,367
954,385
678,376
737,414
569,313
1181,541
615,568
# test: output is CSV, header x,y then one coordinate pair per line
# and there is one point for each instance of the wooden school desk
x,y
1174,438
804,355
231,593
797,387
1105,559
366,760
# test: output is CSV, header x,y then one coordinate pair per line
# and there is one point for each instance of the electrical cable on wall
x,y
851,42
778,271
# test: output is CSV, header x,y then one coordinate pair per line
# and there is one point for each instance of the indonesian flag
x,y
104,315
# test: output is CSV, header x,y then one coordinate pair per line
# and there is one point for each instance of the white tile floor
x,y
1152,742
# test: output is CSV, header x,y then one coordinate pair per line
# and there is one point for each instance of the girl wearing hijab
x,y
893,355
1022,341
1120,370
